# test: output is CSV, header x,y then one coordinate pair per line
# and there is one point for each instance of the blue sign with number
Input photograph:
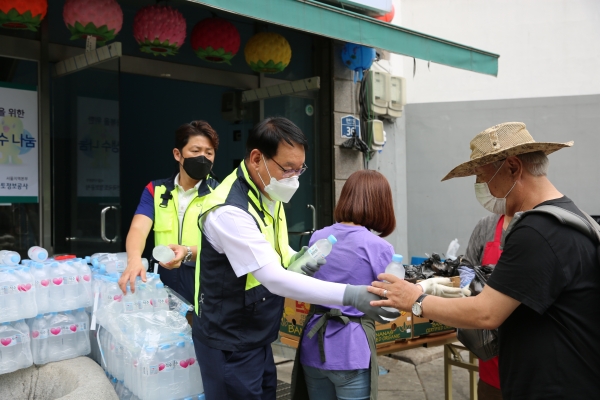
x,y
350,126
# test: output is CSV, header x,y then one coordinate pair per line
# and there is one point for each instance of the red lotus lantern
x,y
102,19
22,14
159,30
215,40
387,17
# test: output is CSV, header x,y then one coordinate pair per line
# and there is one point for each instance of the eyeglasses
x,y
288,173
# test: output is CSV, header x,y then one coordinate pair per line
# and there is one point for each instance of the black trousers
x,y
237,375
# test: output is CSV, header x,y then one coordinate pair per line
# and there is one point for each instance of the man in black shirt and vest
x,y
544,293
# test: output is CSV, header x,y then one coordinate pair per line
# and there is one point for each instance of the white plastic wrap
x,y
15,352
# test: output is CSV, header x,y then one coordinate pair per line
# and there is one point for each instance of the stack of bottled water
x,y
50,295
142,343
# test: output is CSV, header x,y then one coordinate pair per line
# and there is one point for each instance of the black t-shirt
x,y
552,269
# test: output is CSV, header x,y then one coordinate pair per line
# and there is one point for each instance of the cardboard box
x,y
295,312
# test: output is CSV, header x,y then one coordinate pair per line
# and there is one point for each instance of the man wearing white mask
x,y
545,289
245,268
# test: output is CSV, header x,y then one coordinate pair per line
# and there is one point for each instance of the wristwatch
x,y
188,256
417,308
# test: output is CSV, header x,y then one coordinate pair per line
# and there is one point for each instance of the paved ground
x,y
416,374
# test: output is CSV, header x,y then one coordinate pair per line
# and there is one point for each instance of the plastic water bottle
x,y
318,251
10,349
26,289
55,347
113,292
181,377
196,385
69,334
166,369
163,254
83,325
8,257
25,359
39,339
397,269
149,372
84,277
161,298
41,277
37,253
12,300
71,285
56,292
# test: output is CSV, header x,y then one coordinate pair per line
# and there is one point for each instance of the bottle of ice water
x,y
149,372
9,283
25,359
194,369
37,253
10,349
26,288
181,378
113,292
84,277
41,276
8,257
161,298
163,254
395,268
55,347
56,292
318,251
69,335
71,285
39,339
83,325
166,369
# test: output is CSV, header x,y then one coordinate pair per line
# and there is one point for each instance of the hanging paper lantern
x,y
268,53
102,19
358,58
387,17
215,40
22,14
159,30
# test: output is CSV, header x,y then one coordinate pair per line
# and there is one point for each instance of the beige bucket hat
x,y
499,142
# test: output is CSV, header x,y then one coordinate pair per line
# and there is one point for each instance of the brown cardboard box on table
x,y
294,316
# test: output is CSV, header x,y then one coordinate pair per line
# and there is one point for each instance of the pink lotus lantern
x,y
215,40
387,17
22,14
160,30
102,19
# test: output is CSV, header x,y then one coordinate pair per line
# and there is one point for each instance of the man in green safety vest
x,y
245,267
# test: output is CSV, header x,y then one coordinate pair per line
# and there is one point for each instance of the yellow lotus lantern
x,y
268,53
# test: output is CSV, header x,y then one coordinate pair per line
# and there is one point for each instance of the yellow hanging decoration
x,y
268,53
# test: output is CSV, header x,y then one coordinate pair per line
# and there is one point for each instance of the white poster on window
x,y
97,147
18,143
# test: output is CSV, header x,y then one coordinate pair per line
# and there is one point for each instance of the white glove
x,y
442,287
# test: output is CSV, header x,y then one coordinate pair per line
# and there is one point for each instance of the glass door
x,y
300,211
85,158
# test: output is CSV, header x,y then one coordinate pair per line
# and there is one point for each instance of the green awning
x,y
333,22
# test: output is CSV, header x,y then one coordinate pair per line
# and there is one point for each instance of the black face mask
x,y
197,167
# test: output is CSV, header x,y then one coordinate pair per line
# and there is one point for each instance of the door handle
x,y
103,225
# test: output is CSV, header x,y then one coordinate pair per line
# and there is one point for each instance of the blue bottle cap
x,y
160,285
397,258
165,347
150,349
39,316
181,344
68,312
15,258
80,309
88,259
332,239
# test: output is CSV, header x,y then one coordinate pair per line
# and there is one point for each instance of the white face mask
x,y
487,200
280,190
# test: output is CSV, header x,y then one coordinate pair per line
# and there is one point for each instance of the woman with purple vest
x,y
336,357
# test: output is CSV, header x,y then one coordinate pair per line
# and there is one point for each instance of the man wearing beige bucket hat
x,y
544,294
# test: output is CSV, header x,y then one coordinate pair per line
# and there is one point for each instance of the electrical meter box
x,y
377,133
378,92
397,98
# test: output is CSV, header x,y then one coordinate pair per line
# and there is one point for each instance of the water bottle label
x,y
82,326
8,341
162,302
42,283
22,338
55,331
150,370
120,266
314,252
112,257
58,281
167,366
146,304
41,334
69,329
70,280
181,364
9,289
129,306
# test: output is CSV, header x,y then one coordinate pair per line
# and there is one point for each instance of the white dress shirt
x,y
184,198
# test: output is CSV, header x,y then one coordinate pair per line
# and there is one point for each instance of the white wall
x,y
546,47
